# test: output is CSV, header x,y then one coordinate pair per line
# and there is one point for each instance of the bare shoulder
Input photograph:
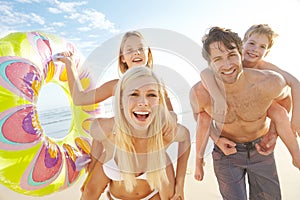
x,y
199,97
101,128
198,91
181,133
267,66
263,75
269,81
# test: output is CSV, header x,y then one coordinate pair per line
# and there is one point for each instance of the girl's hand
x,y
66,57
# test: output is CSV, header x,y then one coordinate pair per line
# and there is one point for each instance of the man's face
x,y
226,63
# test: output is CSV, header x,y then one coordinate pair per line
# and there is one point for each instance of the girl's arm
x,y
295,92
80,96
210,84
183,137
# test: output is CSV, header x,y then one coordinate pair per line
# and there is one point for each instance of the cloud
x,y
84,29
69,7
58,24
10,16
28,1
54,10
91,18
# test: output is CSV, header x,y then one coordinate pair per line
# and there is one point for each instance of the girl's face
x,y
135,52
255,48
140,100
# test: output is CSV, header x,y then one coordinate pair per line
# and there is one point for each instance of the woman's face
x,y
134,52
140,101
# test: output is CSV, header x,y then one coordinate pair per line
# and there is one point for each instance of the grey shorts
x,y
261,173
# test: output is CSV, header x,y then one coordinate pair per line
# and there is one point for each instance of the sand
x,y
206,189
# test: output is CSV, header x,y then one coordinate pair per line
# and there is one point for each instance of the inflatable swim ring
x,y
32,163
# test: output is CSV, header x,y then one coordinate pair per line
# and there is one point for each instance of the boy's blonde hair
x,y
263,29
123,67
156,152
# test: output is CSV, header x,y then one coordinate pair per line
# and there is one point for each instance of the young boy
x,y
257,43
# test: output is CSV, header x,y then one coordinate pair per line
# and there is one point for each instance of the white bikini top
x,y
113,172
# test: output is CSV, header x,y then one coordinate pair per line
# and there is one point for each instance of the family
x,y
242,102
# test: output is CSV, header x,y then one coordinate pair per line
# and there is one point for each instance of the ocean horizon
x,y
56,122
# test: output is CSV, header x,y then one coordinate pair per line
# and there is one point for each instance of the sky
x,y
88,24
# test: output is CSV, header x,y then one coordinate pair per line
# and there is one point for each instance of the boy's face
x,y
255,48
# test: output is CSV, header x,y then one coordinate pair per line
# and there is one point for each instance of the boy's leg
x,y
279,117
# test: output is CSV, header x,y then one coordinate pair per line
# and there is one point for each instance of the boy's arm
x,y
210,84
294,84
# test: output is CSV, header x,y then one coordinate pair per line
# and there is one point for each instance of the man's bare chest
x,y
248,105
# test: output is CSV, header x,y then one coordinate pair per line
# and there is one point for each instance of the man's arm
x,y
199,98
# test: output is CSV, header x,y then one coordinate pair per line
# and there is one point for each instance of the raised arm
x,y
80,96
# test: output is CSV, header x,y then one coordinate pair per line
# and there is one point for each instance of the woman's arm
x,y
95,183
184,146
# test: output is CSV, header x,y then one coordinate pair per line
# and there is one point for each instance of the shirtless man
x,y
249,93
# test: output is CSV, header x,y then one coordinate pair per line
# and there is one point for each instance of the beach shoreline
x,y
289,177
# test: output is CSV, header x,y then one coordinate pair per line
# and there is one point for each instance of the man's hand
x,y
267,144
227,146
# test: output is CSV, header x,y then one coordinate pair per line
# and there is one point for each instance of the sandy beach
x,y
206,189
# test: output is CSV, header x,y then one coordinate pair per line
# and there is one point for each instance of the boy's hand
x,y
227,146
199,171
267,144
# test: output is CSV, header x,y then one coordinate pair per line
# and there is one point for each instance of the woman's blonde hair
x,y
156,152
123,67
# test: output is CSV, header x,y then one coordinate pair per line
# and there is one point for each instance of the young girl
x,y
133,52
135,164
257,43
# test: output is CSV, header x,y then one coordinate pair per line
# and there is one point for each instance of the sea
x,y
56,122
